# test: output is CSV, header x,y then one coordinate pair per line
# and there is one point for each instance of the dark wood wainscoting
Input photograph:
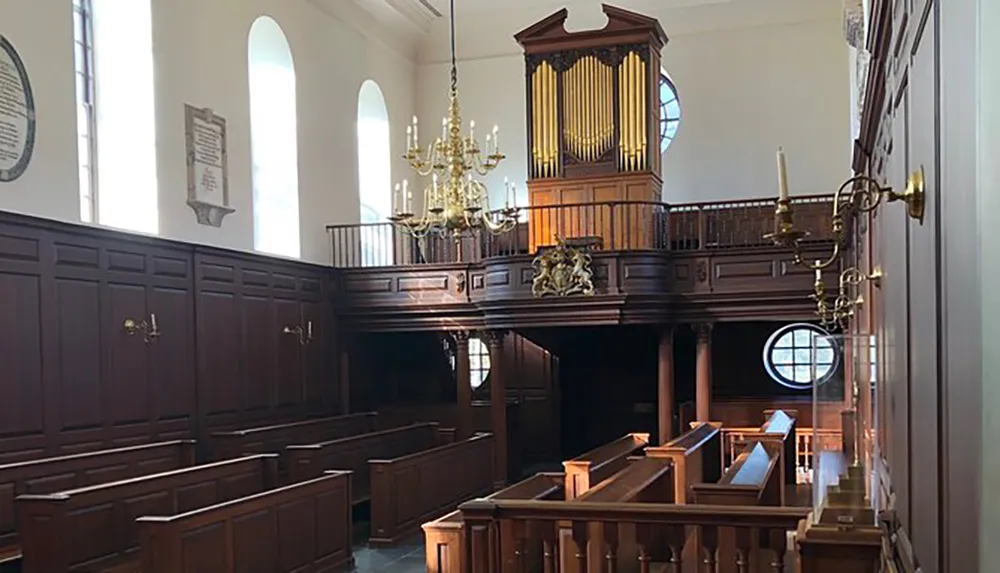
x,y
73,379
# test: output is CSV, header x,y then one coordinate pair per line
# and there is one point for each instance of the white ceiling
x,y
481,6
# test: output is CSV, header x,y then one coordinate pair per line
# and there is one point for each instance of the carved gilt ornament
x,y
563,270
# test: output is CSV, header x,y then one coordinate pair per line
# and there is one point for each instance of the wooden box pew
x,y
443,537
697,458
48,475
643,480
409,490
352,453
779,429
275,438
94,529
752,480
303,527
600,463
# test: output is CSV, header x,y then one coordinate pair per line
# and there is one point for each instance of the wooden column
x,y
463,377
665,385
703,372
498,406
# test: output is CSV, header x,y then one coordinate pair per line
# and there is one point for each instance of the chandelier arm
x,y
822,264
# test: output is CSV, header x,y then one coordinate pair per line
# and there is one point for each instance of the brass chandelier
x,y
454,202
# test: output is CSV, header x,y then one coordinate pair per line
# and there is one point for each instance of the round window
x,y
799,355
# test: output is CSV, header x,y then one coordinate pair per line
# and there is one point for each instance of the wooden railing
x,y
734,439
613,225
661,531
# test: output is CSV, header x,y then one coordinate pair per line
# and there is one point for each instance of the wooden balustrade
x,y
660,529
600,463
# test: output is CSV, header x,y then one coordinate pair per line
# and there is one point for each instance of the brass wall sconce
x,y
841,310
150,332
858,195
304,335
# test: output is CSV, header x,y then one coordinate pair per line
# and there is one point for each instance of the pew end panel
x,y
303,527
696,456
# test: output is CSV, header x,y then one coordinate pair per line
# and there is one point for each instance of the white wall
x,y
200,58
750,75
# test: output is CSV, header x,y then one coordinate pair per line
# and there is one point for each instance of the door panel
x,y
172,371
127,378
314,355
289,378
261,358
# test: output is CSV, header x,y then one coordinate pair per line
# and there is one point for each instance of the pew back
x,y
696,455
352,453
753,479
48,475
87,528
408,490
302,527
275,438
599,464
648,480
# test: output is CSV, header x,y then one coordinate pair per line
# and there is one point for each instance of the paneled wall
x,y
73,379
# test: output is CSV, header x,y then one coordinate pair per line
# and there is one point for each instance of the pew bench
x,y
305,526
275,438
93,529
309,461
600,463
443,537
779,431
408,490
696,456
48,475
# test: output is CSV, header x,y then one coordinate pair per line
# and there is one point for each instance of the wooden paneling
x,y
74,380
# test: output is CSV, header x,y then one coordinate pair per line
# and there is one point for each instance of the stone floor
x,y
407,557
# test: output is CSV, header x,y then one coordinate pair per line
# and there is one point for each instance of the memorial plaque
x,y
17,114
207,165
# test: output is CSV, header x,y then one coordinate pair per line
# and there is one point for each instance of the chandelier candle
x,y
782,176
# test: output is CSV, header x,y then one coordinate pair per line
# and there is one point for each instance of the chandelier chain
x,y
454,60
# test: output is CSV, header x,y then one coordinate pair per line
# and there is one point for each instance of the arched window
x,y
670,112
797,355
274,140
374,178
479,362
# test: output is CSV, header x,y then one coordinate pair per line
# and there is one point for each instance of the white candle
x,y
472,130
782,176
513,194
309,329
506,192
496,137
416,138
819,272
152,320
444,129
409,137
406,196
396,198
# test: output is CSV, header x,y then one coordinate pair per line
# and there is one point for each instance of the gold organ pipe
x,y
554,124
568,91
630,119
574,102
544,123
548,124
535,111
621,116
592,93
586,85
602,132
643,119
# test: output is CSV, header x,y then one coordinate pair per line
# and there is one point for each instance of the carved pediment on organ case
x,y
563,270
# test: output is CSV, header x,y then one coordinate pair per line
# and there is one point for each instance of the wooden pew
x,y
754,479
600,463
310,461
301,527
93,528
409,490
443,537
779,430
48,475
697,458
275,438
643,480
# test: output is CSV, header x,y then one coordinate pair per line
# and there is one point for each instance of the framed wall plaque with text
x,y
207,165
17,114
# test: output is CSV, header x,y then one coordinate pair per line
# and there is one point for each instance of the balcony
x,y
650,261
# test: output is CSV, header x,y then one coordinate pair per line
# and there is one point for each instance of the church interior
x,y
680,286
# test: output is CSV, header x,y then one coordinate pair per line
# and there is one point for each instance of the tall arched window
x,y
374,179
670,112
274,139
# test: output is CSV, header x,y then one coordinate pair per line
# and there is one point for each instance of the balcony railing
x,y
615,225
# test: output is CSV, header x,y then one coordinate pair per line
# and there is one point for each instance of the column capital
x,y
460,336
703,331
495,337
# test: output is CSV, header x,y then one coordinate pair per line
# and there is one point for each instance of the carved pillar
x,y
463,422
498,406
665,385
703,372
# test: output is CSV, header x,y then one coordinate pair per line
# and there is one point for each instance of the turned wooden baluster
x,y
709,548
644,539
580,536
743,545
777,541
549,531
611,541
519,531
675,536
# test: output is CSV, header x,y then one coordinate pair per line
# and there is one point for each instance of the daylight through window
x,y
792,361
670,112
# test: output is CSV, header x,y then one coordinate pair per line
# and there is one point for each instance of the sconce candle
x,y
819,272
782,176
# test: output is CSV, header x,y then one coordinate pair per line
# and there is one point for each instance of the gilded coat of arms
x,y
562,271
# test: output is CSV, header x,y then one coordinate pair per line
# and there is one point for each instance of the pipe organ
x,y
593,127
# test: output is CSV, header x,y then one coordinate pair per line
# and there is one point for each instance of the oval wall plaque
x,y
17,114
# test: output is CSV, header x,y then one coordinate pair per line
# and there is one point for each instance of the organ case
x,y
593,129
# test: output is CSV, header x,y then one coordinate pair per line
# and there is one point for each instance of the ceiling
x,y
480,6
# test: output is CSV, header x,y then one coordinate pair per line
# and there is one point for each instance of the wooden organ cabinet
x,y
593,131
